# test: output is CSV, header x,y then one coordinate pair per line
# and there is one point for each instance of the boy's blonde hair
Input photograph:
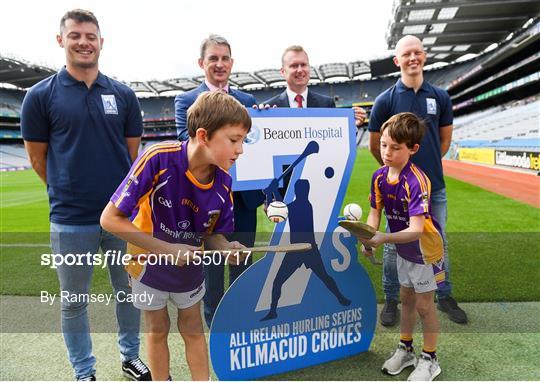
x,y
214,110
405,128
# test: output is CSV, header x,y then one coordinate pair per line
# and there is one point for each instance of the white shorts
x,y
417,276
148,298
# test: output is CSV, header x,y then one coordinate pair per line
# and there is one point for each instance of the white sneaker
x,y
399,360
426,370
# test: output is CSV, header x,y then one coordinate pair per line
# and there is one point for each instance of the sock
x,y
407,341
432,354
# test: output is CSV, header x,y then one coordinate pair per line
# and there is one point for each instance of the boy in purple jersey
x,y
178,196
403,190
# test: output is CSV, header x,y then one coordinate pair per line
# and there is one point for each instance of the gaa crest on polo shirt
x,y
431,106
109,104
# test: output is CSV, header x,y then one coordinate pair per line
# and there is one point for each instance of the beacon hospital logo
x,y
253,136
293,310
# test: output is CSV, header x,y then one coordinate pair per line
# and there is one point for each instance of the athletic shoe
x,y
450,307
389,313
401,359
87,378
136,370
426,370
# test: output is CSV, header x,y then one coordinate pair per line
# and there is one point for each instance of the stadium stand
x,y
157,108
507,73
13,157
10,114
20,73
451,28
159,111
510,125
10,102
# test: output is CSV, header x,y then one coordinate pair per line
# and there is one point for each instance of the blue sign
x,y
293,310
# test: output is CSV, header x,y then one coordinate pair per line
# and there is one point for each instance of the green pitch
x,y
495,257
485,231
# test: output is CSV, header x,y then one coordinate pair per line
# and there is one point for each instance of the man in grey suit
x,y
296,70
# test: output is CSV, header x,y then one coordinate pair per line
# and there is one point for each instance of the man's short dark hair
x,y
216,40
79,16
405,128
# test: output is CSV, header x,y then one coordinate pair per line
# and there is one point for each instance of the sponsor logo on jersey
x,y
189,203
166,202
180,235
183,225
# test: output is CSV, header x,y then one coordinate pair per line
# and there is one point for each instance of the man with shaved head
x,y
432,104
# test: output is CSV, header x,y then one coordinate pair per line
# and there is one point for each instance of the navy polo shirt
x,y
430,103
86,130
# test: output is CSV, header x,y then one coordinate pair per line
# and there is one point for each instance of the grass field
x,y
485,231
495,252
466,352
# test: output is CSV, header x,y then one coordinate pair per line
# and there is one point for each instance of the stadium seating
x,y
157,108
10,102
13,157
508,125
444,76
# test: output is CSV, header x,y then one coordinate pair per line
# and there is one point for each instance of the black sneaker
x,y
389,313
87,378
450,307
136,370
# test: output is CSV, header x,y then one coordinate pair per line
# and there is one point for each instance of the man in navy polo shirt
x,y
412,94
82,131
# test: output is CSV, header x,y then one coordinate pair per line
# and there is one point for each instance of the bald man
x,y
432,104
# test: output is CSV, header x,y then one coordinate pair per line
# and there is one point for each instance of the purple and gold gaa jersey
x,y
164,199
409,196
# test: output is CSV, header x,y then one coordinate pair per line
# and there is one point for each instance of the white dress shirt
x,y
292,102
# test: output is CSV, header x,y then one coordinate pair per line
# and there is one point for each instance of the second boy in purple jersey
x,y
179,198
406,196
403,190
